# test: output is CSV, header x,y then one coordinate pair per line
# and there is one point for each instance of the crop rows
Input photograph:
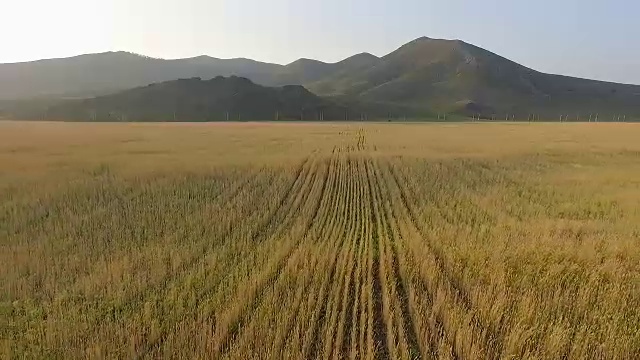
x,y
348,254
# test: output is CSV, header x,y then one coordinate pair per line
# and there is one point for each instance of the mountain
x,y
454,76
306,71
194,99
423,76
99,74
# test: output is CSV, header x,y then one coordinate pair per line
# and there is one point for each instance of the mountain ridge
x,y
428,74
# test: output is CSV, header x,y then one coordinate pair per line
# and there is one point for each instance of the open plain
x,y
320,240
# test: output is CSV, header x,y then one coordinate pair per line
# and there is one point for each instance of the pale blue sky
x,y
597,39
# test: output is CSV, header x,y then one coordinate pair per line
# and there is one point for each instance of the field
x,y
303,241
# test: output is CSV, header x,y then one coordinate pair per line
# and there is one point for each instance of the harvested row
x,y
401,336
293,229
327,248
434,303
342,276
358,307
279,306
333,266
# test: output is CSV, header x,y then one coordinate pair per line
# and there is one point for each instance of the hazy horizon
x,y
590,39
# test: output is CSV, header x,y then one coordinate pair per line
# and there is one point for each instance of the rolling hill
x,y
307,71
426,75
218,99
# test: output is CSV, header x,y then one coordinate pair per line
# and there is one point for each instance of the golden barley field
x,y
319,241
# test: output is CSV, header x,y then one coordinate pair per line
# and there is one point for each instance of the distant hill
x,y
424,76
100,74
219,99
306,71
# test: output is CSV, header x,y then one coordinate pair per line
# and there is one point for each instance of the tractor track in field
x,y
283,263
400,328
407,310
390,221
438,328
312,338
343,195
379,327
343,319
331,321
486,333
299,200
353,305
438,255
325,226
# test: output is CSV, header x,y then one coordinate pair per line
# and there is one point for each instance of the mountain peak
x,y
365,54
359,59
200,60
421,39
305,62
203,57
362,56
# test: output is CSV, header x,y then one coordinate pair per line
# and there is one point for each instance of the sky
x,y
597,39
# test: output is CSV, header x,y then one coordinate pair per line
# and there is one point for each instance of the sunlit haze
x,y
592,39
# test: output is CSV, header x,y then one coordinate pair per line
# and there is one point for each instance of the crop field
x,y
319,241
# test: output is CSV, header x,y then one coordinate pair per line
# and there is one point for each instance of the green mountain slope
x,y
453,76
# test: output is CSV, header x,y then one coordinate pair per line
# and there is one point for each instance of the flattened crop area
x,y
359,246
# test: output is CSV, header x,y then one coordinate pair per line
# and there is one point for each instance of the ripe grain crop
x,y
319,241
